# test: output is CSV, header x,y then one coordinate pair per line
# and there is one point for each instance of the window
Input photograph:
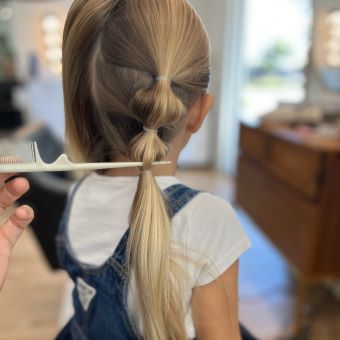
x,y
277,44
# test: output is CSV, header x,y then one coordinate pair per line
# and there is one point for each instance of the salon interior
x,y
270,146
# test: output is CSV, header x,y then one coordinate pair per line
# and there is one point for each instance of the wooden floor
x,y
30,301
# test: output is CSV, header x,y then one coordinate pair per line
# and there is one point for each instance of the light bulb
x,y
51,23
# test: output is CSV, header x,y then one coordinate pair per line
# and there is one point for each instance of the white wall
x,y
316,91
203,149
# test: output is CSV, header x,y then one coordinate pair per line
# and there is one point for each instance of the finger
x,y
9,234
14,227
11,191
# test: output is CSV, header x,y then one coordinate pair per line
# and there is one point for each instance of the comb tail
x,y
63,163
36,155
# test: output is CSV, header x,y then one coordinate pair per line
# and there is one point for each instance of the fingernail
x,y
26,212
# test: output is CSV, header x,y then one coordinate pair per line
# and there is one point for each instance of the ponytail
x,y
149,246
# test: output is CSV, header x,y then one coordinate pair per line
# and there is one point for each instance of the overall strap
x,y
178,196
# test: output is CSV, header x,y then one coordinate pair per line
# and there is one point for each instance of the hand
x,y
11,230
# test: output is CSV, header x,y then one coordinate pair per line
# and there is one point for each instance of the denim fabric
x,y
100,296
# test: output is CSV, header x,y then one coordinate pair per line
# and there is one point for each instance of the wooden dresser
x,y
289,184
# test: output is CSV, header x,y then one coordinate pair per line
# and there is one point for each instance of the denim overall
x,y
100,296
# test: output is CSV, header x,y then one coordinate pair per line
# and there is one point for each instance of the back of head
x,y
132,69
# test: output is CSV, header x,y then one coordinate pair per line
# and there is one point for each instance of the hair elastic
x,y
145,172
163,78
150,130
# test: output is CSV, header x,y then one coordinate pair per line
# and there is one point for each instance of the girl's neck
x,y
162,170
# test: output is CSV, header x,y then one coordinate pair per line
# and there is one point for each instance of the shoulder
x,y
215,234
214,219
213,206
207,210
199,205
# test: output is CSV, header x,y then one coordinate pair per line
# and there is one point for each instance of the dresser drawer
x,y
289,221
253,142
298,166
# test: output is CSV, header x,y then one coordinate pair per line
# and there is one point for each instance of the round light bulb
x,y
51,23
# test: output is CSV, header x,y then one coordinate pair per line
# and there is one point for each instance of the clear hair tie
x,y
150,130
163,78
145,172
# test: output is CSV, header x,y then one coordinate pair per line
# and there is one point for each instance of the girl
x,y
150,257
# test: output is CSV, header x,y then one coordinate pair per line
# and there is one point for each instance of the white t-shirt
x,y
207,227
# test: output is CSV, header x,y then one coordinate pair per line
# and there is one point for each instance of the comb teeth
x,y
22,153
12,160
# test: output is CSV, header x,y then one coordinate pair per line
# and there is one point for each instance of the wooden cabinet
x,y
289,183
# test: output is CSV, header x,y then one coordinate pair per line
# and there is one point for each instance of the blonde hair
x,y
129,64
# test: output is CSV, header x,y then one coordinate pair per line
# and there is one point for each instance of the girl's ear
x,y
199,112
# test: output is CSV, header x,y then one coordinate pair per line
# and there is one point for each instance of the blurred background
x,y
271,146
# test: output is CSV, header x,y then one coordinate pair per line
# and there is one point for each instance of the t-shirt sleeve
x,y
216,236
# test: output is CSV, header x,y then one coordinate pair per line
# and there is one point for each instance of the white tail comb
x,y
26,158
